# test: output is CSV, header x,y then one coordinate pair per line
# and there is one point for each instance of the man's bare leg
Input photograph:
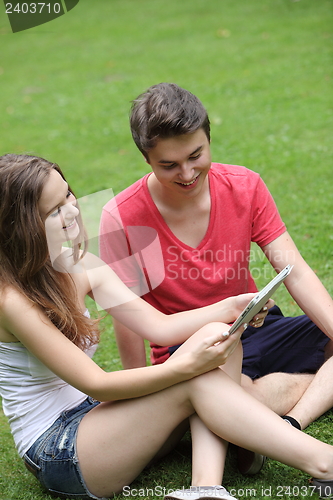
x,y
279,391
318,397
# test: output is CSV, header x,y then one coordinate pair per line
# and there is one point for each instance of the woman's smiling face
x,y
57,206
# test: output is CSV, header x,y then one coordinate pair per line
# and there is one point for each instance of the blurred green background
x,y
262,68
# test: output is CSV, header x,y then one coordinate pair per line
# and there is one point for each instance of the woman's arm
x,y
140,317
302,283
34,330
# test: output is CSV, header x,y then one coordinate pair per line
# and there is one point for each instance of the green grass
x,y
263,69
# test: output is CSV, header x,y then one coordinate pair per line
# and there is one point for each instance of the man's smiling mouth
x,y
188,183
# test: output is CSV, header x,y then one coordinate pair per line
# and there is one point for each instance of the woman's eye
x,y
69,193
57,212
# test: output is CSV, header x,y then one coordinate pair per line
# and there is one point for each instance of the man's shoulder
x,y
232,170
233,180
234,176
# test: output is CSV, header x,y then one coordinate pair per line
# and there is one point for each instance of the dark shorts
x,y
283,344
53,458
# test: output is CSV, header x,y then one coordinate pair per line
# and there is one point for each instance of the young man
x,y
205,216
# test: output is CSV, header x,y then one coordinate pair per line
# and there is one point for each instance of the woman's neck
x,y
62,260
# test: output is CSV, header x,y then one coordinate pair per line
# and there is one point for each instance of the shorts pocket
x,y
31,466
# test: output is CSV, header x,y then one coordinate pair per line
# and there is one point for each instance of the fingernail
x,y
264,308
245,326
225,334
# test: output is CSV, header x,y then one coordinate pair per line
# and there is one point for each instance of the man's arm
x,y
130,345
302,283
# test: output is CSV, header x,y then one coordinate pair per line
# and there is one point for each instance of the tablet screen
x,y
258,302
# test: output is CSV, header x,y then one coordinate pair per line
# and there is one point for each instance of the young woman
x,y
86,433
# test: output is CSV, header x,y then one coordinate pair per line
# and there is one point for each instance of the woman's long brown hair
x,y
24,256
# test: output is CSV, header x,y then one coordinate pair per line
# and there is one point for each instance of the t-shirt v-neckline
x,y
162,222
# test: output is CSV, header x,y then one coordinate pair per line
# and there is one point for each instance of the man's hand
x,y
241,301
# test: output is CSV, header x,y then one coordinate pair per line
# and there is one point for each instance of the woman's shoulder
x,y
91,262
87,273
12,303
10,296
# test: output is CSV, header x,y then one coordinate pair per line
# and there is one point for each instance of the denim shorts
x,y
53,457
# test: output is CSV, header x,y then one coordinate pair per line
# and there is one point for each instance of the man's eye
x,y
196,157
169,167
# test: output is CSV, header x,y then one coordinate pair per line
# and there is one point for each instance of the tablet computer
x,y
258,302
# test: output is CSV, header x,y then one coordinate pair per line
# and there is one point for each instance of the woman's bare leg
x,y
248,423
117,440
208,454
208,450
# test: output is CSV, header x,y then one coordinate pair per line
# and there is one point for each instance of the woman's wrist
x,y
182,367
228,310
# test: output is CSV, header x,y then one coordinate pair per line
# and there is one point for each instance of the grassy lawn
x,y
263,69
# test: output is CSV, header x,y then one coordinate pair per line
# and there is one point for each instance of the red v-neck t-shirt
x,y
137,243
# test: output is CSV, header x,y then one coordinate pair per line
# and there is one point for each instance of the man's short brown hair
x,y
166,110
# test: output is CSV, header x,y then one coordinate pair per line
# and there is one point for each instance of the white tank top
x,y
32,396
